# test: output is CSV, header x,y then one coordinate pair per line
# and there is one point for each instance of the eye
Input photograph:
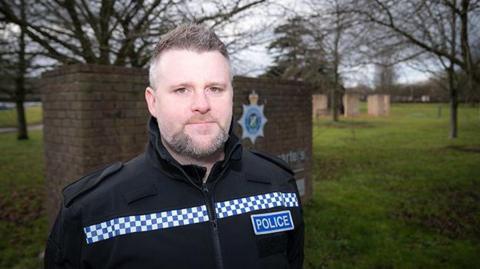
x,y
180,90
215,89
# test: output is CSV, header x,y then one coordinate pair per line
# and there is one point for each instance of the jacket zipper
x,y
209,199
213,220
211,216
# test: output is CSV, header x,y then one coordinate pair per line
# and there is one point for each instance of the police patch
x,y
272,222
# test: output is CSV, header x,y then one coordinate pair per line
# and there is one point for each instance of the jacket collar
x,y
161,158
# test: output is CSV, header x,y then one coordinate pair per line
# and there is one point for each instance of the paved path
x,y
14,129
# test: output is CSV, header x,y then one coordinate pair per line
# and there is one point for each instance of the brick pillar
x,y
319,105
376,103
386,104
351,102
93,116
288,132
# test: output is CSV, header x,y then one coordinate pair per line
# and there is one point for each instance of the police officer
x,y
194,198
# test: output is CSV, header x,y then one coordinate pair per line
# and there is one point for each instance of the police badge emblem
x,y
253,120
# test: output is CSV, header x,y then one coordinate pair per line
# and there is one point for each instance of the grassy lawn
x,y
8,118
395,192
22,225
390,192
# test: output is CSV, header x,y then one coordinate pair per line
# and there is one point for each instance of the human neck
x,y
206,162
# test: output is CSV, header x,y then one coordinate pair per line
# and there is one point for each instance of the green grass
x,y
390,192
8,118
395,192
23,227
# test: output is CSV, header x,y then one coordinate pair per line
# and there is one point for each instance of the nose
x,y
200,103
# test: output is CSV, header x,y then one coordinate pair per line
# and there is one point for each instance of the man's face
x,y
192,102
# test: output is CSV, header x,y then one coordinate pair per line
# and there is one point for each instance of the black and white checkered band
x,y
257,202
144,223
168,219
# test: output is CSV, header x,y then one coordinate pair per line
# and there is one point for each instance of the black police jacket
x,y
152,212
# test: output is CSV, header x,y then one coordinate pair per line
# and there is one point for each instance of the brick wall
x,y
288,132
95,115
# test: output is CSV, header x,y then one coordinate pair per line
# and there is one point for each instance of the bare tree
x,y
441,29
105,32
16,60
340,33
112,32
418,22
385,75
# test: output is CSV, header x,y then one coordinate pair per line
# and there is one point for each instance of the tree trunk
x,y
21,121
453,113
336,62
453,102
451,77
334,103
20,81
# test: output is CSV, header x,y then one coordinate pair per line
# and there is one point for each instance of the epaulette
x,y
88,182
274,159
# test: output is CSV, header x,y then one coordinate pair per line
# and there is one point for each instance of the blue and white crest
x,y
253,120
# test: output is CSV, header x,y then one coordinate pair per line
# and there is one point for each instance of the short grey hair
x,y
194,37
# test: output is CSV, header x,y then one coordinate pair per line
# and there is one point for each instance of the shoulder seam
x,y
274,159
92,180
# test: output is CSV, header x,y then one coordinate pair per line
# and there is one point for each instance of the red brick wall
x,y
95,115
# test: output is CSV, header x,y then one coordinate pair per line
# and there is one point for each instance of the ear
x,y
151,100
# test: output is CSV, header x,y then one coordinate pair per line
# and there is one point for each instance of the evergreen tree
x,y
298,54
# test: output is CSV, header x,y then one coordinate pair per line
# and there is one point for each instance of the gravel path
x,y
14,129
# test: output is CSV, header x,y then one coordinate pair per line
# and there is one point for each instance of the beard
x,y
183,144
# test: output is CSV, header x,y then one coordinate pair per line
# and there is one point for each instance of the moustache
x,y
201,119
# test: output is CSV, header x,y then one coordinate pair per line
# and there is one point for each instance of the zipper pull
x,y
204,187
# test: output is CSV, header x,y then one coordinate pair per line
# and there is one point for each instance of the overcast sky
x,y
255,59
